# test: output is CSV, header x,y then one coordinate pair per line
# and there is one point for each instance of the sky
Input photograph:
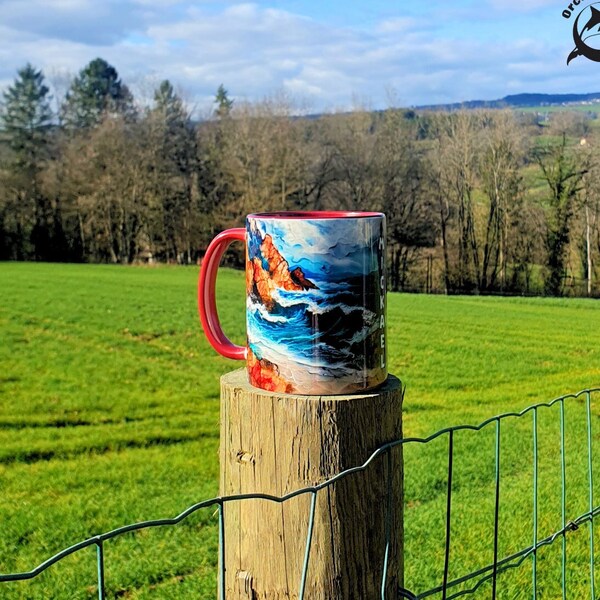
x,y
322,55
346,246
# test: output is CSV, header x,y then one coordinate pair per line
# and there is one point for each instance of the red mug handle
x,y
207,305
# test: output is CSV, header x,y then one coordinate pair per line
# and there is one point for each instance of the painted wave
x,y
324,330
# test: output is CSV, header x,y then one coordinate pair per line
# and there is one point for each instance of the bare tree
x,y
262,158
106,182
400,169
352,141
456,158
501,180
563,170
570,123
589,220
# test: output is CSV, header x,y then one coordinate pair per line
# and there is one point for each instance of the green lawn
x,y
109,415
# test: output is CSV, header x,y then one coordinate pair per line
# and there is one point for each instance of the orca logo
x,y
586,34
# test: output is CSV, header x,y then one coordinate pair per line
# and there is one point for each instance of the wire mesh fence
x,y
556,504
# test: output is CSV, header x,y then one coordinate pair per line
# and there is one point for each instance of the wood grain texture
x,y
278,443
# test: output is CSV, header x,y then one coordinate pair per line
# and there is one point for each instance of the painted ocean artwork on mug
x,y
316,304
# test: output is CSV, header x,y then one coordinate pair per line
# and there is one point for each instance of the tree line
x,y
477,201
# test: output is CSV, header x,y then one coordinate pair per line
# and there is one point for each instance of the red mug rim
x,y
315,214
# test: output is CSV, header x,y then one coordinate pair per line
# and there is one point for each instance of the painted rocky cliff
x,y
267,271
270,271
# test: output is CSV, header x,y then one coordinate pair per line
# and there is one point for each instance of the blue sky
x,y
323,55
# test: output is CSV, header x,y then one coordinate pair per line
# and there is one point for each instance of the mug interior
x,y
315,214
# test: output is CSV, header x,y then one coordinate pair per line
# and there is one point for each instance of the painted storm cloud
x,y
316,304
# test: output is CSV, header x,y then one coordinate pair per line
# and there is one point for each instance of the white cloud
x,y
398,25
255,50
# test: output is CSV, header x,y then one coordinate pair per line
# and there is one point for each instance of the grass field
x,y
584,108
109,415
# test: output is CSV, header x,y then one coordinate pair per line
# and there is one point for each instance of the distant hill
x,y
519,100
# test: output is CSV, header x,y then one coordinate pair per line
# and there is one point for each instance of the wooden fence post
x,y
277,443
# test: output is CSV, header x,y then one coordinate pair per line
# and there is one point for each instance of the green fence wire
x,y
448,588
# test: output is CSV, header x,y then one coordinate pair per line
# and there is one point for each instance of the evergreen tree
x,y
94,93
167,102
175,127
175,166
26,118
27,220
223,102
